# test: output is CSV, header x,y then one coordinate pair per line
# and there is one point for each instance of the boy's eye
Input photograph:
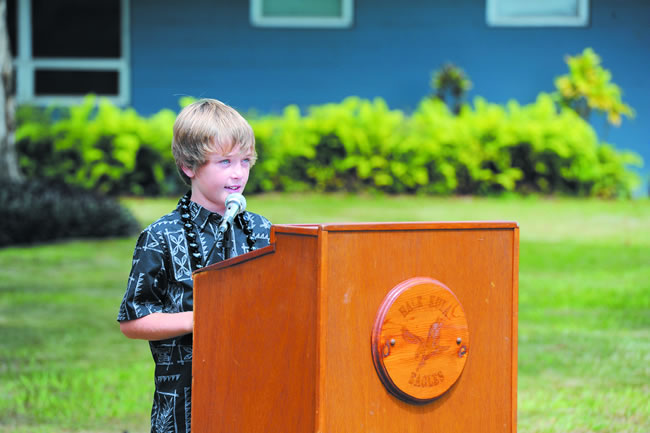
x,y
224,161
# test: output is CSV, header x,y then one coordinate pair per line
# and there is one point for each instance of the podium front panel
x,y
479,265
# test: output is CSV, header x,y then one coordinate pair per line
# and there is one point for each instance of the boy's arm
x,y
159,326
141,313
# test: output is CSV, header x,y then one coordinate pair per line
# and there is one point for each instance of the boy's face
x,y
220,176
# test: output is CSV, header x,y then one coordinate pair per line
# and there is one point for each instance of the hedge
x,y
355,145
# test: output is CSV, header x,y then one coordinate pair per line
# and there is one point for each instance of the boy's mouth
x,y
233,188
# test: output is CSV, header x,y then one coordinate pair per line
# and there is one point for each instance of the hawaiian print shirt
x,y
161,281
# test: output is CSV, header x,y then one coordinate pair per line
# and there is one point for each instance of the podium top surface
x,y
317,230
390,226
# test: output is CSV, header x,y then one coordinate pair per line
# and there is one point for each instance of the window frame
x,y
26,65
257,19
494,19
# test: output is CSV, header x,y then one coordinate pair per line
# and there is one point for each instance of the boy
x,y
214,150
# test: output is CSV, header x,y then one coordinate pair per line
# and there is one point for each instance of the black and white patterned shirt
x,y
161,282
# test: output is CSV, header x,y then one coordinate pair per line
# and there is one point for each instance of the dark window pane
x,y
12,28
64,82
76,28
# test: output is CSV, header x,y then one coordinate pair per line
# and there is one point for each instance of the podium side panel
x,y
515,327
255,345
478,265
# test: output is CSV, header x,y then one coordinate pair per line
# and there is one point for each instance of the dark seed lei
x,y
244,223
191,236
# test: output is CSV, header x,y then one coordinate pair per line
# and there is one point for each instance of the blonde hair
x,y
207,126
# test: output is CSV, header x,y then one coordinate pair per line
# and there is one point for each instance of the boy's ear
x,y
188,172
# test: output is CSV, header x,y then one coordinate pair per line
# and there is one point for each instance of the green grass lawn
x,y
584,323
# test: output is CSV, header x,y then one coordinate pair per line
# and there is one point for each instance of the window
x,y
66,49
536,13
301,13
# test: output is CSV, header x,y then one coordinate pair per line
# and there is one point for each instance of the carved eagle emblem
x,y
426,348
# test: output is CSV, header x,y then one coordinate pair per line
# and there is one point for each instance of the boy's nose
x,y
237,171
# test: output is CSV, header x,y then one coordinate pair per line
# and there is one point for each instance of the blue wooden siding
x,y
208,48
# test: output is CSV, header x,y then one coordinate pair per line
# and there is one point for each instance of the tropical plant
x,y
450,85
588,87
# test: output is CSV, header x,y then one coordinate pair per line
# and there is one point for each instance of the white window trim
x,y
259,20
26,65
494,19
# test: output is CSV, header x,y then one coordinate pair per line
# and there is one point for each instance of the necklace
x,y
191,235
244,223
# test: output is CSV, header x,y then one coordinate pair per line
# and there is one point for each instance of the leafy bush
x,y
38,211
355,145
98,146
360,145
342,146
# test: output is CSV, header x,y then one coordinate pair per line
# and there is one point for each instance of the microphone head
x,y
238,200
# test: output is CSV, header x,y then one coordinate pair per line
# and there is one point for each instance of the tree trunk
x,y
8,159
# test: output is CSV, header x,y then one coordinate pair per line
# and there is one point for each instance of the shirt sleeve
x,y
147,280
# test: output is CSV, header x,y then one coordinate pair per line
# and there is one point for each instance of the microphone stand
x,y
227,243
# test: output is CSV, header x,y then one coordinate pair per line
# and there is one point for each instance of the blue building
x,y
266,54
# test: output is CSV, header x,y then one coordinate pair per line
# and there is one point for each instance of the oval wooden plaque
x,y
420,340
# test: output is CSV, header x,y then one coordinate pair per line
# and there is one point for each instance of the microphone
x,y
235,204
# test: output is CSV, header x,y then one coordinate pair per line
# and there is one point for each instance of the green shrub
x,y
343,146
98,146
39,211
355,145
363,145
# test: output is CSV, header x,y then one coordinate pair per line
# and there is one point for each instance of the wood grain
x,y
420,340
255,342
282,340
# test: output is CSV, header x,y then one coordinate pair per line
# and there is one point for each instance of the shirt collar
x,y
201,215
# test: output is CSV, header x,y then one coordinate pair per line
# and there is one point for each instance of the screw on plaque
x,y
392,341
386,350
458,340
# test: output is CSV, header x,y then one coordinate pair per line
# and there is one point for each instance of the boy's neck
x,y
199,199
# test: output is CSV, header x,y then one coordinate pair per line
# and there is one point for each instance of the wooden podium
x,y
353,328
